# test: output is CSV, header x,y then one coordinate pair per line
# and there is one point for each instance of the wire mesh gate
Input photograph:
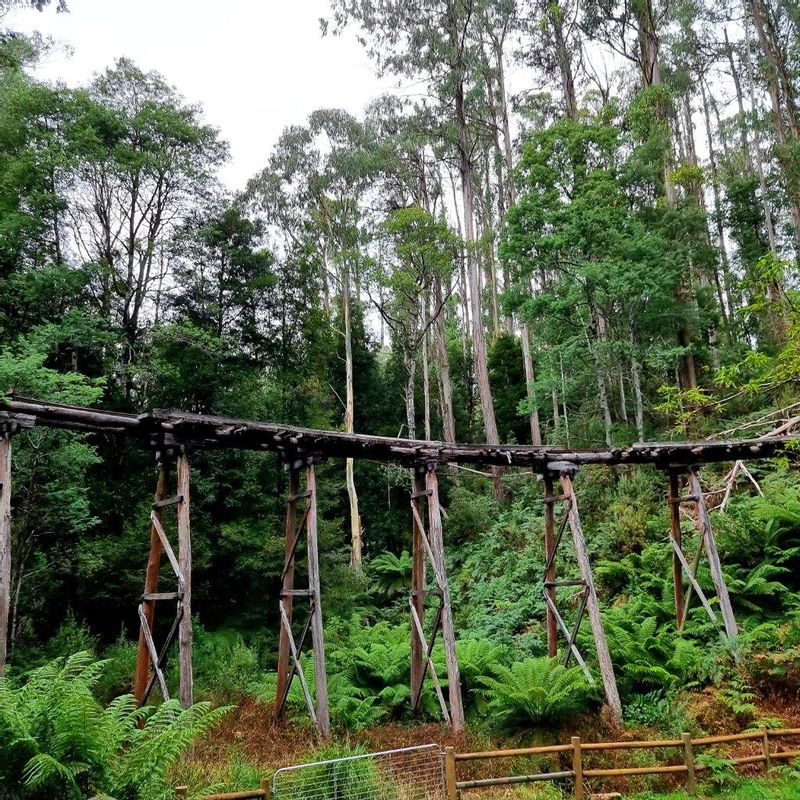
x,y
410,773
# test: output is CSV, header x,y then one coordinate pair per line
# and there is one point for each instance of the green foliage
x,y
393,573
57,740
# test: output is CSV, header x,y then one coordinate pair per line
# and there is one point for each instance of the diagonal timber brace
x,y
707,544
428,551
301,520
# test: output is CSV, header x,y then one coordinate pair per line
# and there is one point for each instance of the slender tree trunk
x,y
349,419
724,295
530,377
481,365
762,181
426,381
564,399
555,16
411,414
636,380
448,415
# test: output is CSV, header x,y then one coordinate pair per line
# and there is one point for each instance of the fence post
x,y
450,773
577,766
688,757
765,749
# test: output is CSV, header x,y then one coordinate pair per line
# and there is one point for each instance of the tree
x,y
425,251
145,158
432,39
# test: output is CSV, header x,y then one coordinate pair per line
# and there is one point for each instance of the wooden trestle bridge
x,y
175,435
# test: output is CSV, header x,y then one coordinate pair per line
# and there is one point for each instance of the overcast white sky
x,y
255,65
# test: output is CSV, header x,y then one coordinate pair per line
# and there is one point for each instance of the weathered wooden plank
x,y
141,677
156,524
417,623
5,546
436,537
153,654
185,567
675,534
592,605
162,654
550,561
417,586
570,643
317,637
286,628
287,582
693,581
721,588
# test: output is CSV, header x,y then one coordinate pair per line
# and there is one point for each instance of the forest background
x,y
608,256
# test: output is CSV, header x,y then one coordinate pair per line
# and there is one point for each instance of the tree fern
x,y
534,691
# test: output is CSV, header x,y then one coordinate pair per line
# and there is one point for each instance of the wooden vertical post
x,y
549,554
320,674
688,758
185,564
450,773
436,536
151,575
765,750
675,534
592,605
287,584
577,766
266,788
710,544
417,586
5,546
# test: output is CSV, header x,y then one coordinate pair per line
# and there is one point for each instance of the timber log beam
x,y
169,429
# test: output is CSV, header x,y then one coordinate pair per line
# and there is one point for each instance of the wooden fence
x,y
686,746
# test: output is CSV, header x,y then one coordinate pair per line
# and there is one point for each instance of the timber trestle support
x,y
301,521
586,596
706,543
428,551
150,659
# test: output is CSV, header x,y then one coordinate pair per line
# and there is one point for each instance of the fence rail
x,y
686,744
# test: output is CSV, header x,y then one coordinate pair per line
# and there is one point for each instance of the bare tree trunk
x,y
349,417
762,181
530,377
426,380
5,546
411,414
637,385
448,415
724,295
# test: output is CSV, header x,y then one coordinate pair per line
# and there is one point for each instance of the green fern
x,y
56,740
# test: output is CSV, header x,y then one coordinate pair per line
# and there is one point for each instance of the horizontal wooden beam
x,y
161,429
